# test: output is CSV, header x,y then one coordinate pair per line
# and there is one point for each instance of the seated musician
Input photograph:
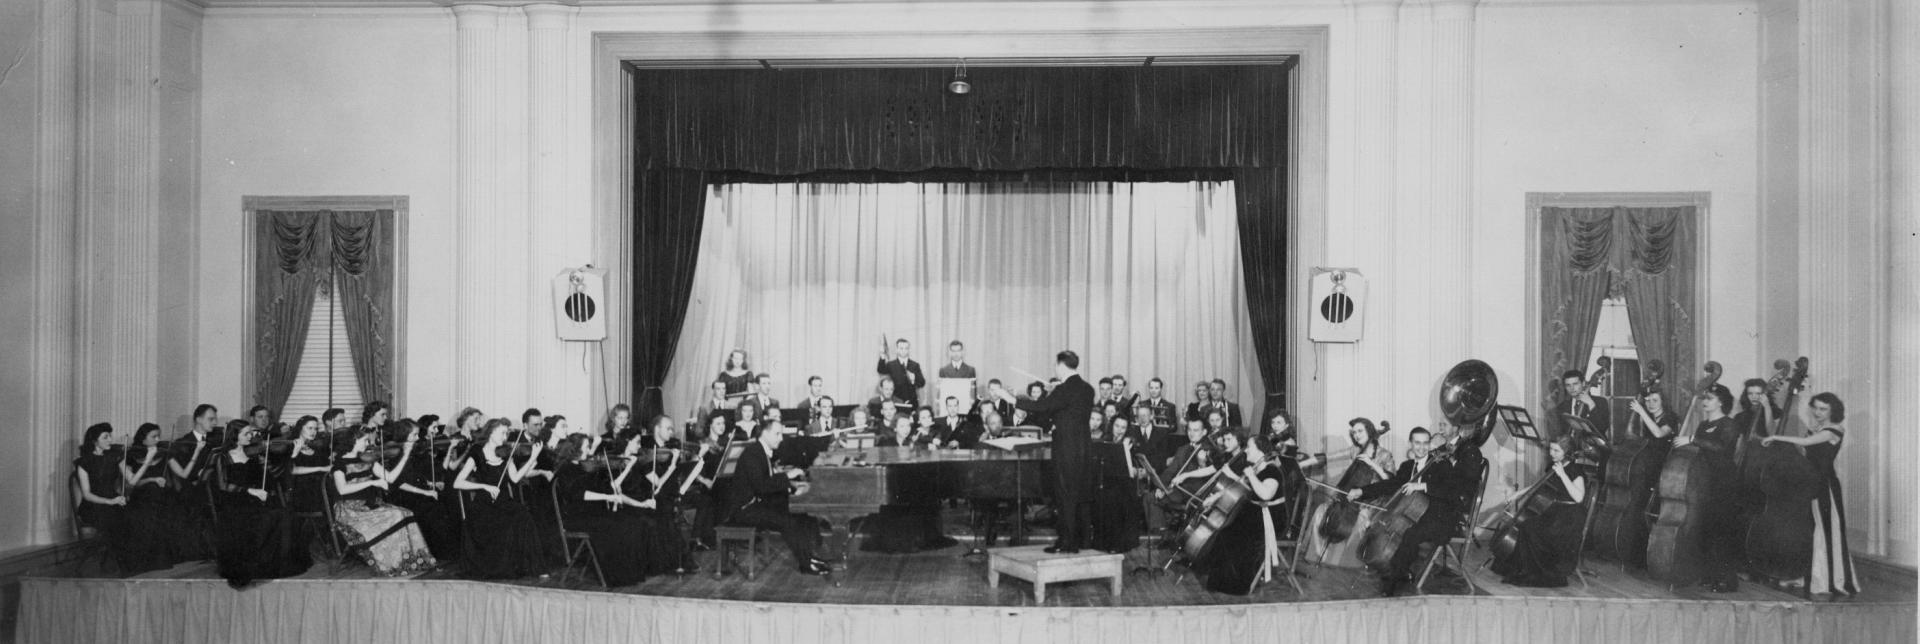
x,y
1721,536
1240,555
1545,544
885,395
763,391
1104,392
591,500
1121,396
697,487
717,401
1163,412
955,429
1218,421
1177,473
389,541
1652,420
103,506
1043,420
923,433
1102,421
619,424
820,419
993,402
659,434
1226,446
1217,389
189,463
859,421
257,536
504,544
1202,401
816,390
1449,486
1581,404
167,533
1117,519
993,425
1336,521
758,495
419,488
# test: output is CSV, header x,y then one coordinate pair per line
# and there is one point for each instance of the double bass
x,y
1779,539
1620,521
1686,481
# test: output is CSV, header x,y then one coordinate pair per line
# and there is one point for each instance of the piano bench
x,y
723,536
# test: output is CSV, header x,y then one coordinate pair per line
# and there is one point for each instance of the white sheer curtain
x,y
1142,279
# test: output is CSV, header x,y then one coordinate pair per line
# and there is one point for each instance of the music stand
x,y
1156,488
1519,423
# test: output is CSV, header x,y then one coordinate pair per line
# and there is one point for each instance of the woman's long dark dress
x,y
1832,560
127,537
504,543
440,528
257,539
619,537
666,549
736,384
538,495
156,509
1117,514
306,491
1239,549
1546,543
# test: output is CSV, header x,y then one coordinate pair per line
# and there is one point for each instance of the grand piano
x,y
846,484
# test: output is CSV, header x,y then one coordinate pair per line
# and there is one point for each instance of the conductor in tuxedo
x,y
1070,404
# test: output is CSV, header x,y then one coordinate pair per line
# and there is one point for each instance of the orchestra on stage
x,y
1689,482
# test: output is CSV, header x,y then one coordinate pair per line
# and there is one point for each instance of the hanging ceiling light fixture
x,y
960,84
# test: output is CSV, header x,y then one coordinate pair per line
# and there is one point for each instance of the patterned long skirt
x,y
402,552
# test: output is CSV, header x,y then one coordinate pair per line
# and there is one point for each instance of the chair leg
x,y
593,557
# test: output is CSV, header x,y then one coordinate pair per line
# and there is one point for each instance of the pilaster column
x,y
133,234
559,240
1366,241
1903,319
1449,316
478,53
55,177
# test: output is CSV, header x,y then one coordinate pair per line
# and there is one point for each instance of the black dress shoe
x,y
699,546
814,568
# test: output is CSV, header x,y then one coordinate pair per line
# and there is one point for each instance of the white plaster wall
x,y
19,120
343,104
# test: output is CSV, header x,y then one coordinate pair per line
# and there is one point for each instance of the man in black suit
x,y
994,404
1450,485
1218,388
1069,404
905,373
1581,404
1165,416
758,495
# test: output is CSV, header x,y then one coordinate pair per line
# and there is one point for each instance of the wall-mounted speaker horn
x,y
580,304
1339,300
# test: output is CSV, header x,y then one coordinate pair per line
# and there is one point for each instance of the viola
x,y
1686,480
1779,539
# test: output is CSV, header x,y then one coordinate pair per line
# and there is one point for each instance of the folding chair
x,y
1580,553
1286,548
89,539
323,516
577,545
1456,547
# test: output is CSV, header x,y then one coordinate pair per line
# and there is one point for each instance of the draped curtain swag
x,y
1640,253
1103,123
301,252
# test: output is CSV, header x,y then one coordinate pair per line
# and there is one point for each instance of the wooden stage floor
x,y
944,578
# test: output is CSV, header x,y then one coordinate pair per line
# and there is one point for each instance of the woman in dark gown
x,y
258,538
103,504
616,523
502,541
312,458
170,537
1239,553
418,488
737,374
1546,544
660,482
1832,561
1117,513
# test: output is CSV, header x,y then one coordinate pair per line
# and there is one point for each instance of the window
x,y
326,376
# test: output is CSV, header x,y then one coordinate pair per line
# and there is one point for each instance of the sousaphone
x,y
1468,397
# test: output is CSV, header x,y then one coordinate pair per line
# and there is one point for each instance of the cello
x,y
1779,539
1333,523
1686,480
1401,511
1620,522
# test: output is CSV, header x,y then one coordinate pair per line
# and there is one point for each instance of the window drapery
x,y
1645,254
1143,279
296,253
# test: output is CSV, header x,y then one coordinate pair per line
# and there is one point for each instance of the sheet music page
x,y
1010,443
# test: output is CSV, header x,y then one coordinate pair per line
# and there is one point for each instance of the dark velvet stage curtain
x,y
901,124
1262,192
1658,281
669,212
362,256
289,248
1577,246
